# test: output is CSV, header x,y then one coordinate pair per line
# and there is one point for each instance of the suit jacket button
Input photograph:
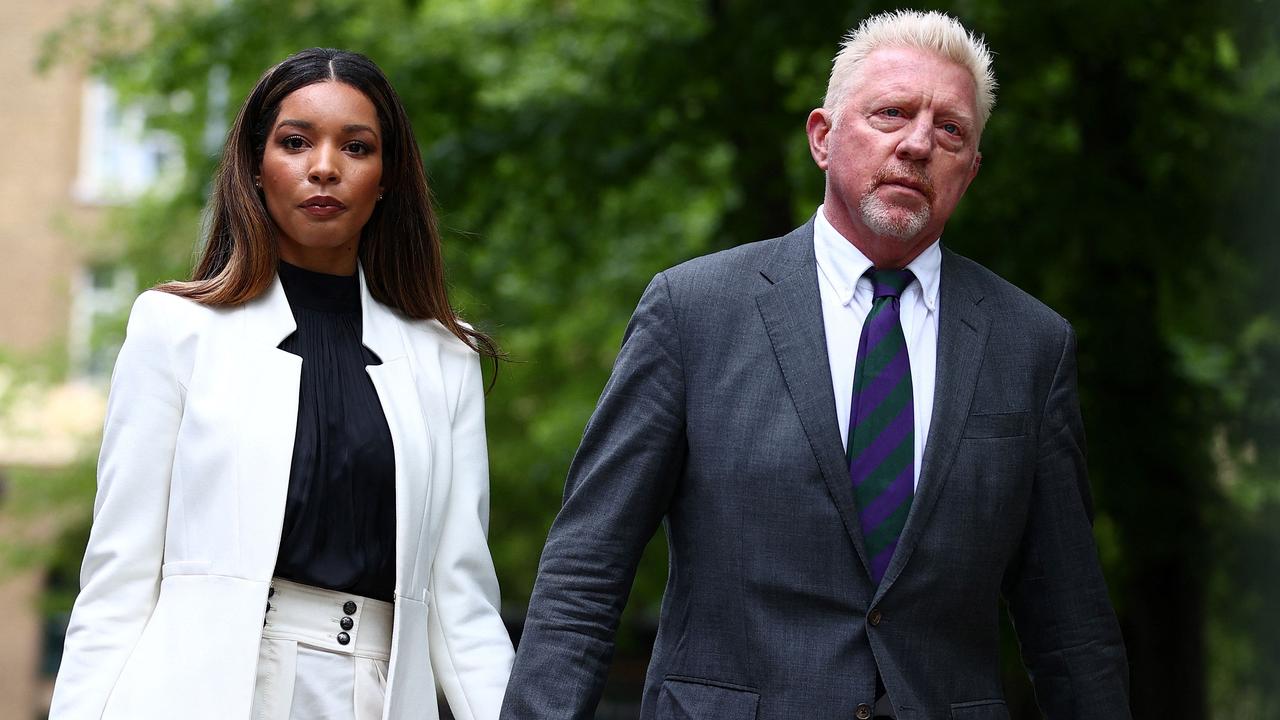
x,y
874,617
347,623
863,712
344,639
349,607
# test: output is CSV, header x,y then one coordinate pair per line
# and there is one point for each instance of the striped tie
x,y
881,449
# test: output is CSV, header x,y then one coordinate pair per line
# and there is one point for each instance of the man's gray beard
x,y
887,220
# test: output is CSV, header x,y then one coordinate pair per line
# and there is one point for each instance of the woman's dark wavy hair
x,y
399,245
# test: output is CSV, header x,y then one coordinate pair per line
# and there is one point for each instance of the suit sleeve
x,y
469,645
619,487
120,577
1069,635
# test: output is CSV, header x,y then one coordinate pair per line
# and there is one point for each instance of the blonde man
x,y
859,441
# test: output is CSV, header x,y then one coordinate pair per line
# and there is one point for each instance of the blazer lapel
x,y
963,328
410,437
265,391
792,312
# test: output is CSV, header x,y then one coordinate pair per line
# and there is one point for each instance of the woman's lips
x,y
322,206
323,210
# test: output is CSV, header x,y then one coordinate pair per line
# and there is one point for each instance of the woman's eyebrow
x,y
308,125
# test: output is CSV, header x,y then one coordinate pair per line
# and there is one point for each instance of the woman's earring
x,y
257,181
379,196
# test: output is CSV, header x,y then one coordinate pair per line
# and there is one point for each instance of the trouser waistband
x,y
330,620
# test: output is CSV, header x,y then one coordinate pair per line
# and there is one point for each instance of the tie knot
x,y
889,283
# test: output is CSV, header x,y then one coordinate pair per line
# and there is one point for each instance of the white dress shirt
x,y
846,300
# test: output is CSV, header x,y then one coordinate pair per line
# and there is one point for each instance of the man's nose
x,y
918,142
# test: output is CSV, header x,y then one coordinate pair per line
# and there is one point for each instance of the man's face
x,y
900,154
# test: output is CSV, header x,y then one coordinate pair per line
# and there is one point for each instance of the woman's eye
x,y
293,142
358,148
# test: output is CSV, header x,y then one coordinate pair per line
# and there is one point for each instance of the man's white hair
x,y
932,31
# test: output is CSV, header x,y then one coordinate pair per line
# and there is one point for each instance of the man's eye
x,y
951,128
893,112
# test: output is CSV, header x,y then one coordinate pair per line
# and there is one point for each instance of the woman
x,y
293,487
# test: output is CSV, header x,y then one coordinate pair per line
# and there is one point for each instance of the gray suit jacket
x,y
720,418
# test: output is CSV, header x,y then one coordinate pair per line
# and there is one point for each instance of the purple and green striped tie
x,y
881,448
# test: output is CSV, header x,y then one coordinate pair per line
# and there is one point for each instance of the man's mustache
x,y
908,175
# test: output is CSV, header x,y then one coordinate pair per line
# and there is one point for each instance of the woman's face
x,y
322,175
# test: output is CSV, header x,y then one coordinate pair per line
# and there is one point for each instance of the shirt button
x,y
863,712
344,639
347,623
874,617
349,607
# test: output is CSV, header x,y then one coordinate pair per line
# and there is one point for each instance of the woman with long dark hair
x,y
292,496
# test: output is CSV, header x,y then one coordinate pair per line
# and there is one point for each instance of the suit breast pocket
x,y
987,426
980,710
684,698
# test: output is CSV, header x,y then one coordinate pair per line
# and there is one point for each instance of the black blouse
x,y
339,521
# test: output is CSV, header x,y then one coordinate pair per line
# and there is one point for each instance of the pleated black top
x,y
339,521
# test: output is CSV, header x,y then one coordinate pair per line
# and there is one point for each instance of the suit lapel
x,y
266,379
792,312
397,392
962,338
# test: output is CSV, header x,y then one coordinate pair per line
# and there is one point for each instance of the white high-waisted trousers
x,y
323,656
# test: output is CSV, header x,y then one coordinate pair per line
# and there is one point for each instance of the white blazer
x,y
192,481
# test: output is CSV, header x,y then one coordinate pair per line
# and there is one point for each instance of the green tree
x,y
576,148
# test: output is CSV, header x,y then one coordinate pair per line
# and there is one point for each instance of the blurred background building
x,y
72,151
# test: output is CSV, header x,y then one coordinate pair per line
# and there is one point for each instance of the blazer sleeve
x,y
469,644
619,487
1057,596
120,576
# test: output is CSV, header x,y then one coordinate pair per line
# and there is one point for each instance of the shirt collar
x,y
843,264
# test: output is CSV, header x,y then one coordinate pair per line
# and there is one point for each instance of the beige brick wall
x,y
40,117
25,695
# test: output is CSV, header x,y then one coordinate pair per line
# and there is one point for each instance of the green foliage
x,y
576,148
37,502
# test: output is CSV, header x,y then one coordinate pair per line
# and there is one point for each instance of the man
x,y
859,441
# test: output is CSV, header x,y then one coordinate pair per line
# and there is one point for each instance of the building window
x,y
100,298
120,159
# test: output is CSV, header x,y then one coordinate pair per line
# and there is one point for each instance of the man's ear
x,y
818,128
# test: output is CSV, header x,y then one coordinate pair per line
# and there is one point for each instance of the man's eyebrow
x,y
960,115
